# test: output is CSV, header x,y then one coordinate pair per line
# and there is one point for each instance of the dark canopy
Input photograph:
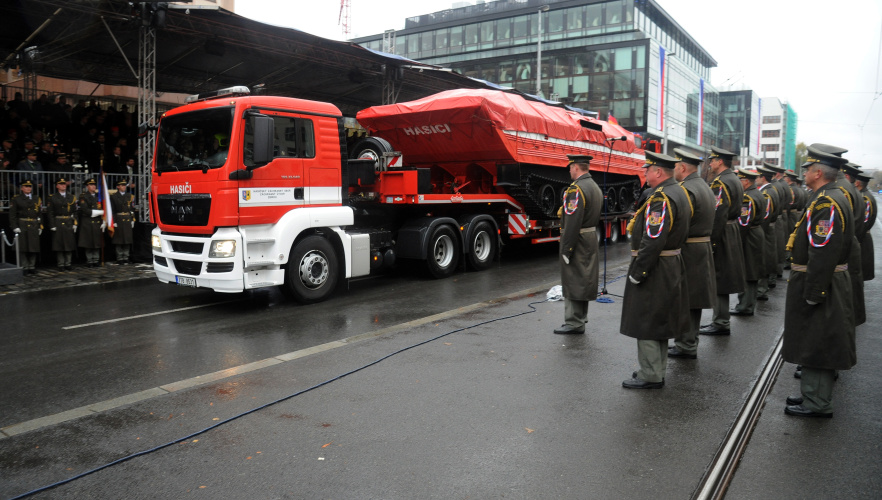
x,y
204,50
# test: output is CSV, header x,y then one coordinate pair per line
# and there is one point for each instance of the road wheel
x,y
548,200
371,148
614,232
312,270
482,246
443,252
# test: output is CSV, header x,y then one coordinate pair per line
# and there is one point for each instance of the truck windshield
x,y
197,140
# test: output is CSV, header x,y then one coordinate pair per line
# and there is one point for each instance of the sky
x,y
822,57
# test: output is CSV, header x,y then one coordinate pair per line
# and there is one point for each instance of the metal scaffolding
x,y
146,112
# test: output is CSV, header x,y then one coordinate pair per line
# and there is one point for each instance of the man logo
x,y
246,195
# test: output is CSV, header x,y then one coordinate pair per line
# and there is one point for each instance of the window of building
x,y
555,24
772,133
400,45
456,36
471,34
524,70
772,119
771,147
503,29
773,161
442,38
413,44
575,18
623,58
427,42
488,31
506,73
521,27
594,17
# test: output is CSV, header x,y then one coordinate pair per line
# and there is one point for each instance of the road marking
x,y
101,406
128,318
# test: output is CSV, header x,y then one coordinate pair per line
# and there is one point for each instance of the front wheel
x,y
443,252
312,270
482,246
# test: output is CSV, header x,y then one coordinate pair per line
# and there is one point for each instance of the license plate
x,y
182,280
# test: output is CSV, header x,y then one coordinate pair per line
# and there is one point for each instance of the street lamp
x,y
542,9
665,108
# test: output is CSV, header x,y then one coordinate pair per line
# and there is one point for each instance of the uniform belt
x,y
29,220
733,221
587,229
63,216
801,268
123,213
664,253
698,239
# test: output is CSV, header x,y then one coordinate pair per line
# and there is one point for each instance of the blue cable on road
x,y
248,412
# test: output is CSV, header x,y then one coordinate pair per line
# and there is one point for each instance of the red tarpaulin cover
x,y
472,125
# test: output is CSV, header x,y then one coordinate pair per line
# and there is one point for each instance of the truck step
x,y
254,241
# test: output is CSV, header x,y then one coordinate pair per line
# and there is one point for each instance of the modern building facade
x,y
739,127
778,133
625,58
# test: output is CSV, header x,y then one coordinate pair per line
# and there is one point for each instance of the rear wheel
x,y
548,200
482,246
614,233
371,148
312,270
443,252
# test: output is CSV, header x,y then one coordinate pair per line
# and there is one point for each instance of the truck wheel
x,y
312,270
371,148
482,246
548,200
614,234
443,254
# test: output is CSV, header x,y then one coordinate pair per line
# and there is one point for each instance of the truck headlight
x,y
222,248
154,240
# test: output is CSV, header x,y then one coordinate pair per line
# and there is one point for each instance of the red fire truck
x,y
258,191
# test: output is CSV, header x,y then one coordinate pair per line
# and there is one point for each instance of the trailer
x,y
258,191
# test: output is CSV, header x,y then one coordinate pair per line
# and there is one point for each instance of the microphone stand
x,y
603,290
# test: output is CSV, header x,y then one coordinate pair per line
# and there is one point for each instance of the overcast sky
x,y
821,56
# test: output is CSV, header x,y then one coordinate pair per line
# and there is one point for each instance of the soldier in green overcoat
x,y
61,215
773,217
865,237
91,223
123,221
818,317
697,252
782,232
27,223
753,241
725,238
656,303
580,214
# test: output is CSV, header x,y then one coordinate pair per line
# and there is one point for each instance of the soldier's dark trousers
x,y
122,255
688,342
28,260
721,312
92,255
653,358
575,313
762,288
816,385
747,300
63,258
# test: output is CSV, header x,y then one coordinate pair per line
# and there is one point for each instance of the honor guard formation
x,y
705,231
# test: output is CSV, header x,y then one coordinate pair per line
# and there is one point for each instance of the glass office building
x,y
739,128
627,58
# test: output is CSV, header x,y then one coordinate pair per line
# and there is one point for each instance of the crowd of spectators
x,y
51,135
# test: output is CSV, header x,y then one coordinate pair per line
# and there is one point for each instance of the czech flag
x,y
105,198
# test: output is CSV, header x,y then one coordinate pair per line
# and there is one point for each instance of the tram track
x,y
719,474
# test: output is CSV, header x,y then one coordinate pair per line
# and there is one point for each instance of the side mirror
x,y
264,131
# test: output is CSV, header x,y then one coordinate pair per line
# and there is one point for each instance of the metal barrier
x,y
44,186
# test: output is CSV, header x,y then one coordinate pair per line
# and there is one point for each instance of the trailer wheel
x,y
614,233
371,148
312,270
443,255
548,200
482,246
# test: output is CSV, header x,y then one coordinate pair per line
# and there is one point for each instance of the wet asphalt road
x,y
504,410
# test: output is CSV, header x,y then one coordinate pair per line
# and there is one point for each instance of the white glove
x,y
632,280
97,213
133,223
114,224
103,226
39,232
16,230
565,259
75,228
811,302
52,229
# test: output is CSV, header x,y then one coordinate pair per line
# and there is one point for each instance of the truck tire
x,y
614,232
482,246
442,256
371,148
312,270
548,200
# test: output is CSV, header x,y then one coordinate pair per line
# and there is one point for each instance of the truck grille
x,y
188,267
184,209
187,247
